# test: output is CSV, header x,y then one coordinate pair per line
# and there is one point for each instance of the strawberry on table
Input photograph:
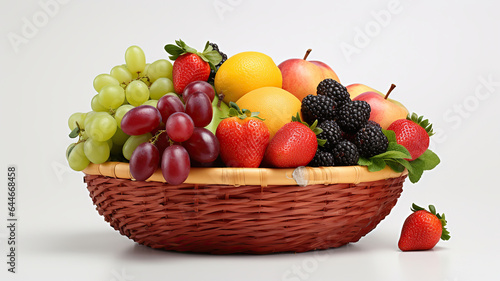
x,y
243,138
423,229
191,65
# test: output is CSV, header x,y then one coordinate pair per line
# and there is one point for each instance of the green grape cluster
x,y
98,132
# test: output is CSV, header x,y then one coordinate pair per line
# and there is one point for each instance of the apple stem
x,y
390,90
307,53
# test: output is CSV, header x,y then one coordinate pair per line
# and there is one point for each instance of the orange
x,y
245,72
275,105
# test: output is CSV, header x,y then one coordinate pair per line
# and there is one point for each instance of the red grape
x,y
169,104
140,120
162,142
199,107
175,164
179,127
203,146
144,161
199,86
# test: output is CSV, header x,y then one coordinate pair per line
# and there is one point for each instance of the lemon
x,y
245,72
275,105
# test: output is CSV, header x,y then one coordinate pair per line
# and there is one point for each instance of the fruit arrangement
x,y
207,110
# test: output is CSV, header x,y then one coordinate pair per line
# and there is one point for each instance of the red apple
x,y
357,89
383,110
301,77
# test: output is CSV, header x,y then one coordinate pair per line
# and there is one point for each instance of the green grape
x,y
137,92
135,59
74,118
90,117
68,150
96,105
119,138
158,69
77,159
102,127
96,151
160,87
121,73
153,103
120,112
132,143
111,96
104,79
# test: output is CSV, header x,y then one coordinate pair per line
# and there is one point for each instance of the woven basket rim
x,y
257,176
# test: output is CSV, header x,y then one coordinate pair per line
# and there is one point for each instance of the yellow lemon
x,y
275,105
245,72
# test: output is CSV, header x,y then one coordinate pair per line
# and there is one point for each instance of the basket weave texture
x,y
256,219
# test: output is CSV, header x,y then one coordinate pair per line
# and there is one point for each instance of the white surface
x,y
438,55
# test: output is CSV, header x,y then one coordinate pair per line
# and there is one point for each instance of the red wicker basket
x,y
245,210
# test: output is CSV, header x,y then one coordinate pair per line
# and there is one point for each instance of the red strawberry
x,y
191,65
413,133
293,145
243,138
422,229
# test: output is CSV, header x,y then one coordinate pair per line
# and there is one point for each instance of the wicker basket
x,y
245,210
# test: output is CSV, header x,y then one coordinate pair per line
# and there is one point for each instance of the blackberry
x,y
322,159
370,140
333,90
371,122
331,133
224,58
352,116
345,153
319,108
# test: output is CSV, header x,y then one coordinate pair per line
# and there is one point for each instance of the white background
x,y
439,55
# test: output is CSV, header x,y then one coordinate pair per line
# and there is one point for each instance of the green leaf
x,y
395,166
212,56
364,161
75,133
377,165
391,154
321,142
415,174
430,160
415,207
394,146
391,135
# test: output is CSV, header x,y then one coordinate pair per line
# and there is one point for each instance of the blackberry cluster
x,y
224,58
346,128
333,90
319,108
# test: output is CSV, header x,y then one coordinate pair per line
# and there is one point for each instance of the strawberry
x,y
422,229
191,65
243,138
413,133
293,145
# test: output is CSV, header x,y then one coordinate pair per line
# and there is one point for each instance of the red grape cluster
x,y
179,136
